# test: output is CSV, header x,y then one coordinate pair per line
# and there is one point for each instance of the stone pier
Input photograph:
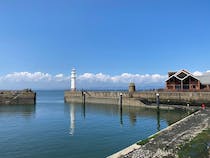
x,y
14,97
140,98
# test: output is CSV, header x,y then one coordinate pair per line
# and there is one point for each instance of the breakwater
x,y
17,97
180,98
101,97
139,98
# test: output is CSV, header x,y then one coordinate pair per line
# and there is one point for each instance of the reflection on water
x,y
72,120
158,119
75,130
83,110
121,117
134,114
24,110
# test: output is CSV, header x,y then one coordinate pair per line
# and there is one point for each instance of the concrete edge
x,y
125,151
133,147
171,126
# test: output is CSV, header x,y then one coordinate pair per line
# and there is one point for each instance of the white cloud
x,y
35,80
90,80
198,73
26,76
40,80
123,78
61,77
94,77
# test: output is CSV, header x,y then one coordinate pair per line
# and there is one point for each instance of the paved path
x,y
168,141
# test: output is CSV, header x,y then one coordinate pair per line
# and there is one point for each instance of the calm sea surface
x,y
53,129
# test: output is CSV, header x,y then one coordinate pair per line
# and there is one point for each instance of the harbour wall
x,y
101,97
139,98
182,98
23,97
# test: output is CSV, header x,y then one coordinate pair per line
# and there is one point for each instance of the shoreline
x,y
168,141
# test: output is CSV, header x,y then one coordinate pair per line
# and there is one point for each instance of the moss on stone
x,y
145,141
198,147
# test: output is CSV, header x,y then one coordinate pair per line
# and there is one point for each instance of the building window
x,y
186,86
170,87
177,87
182,75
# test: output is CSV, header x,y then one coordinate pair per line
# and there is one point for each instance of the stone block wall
x,y
100,97
194,98
17,97
139,98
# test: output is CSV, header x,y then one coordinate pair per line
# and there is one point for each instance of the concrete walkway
x,y
167,142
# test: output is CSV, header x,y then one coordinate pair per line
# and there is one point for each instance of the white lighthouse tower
x,y
73,79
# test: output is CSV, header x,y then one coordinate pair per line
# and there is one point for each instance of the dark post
x,y
158,110
34,97
120,101
158,101
158,120
83,102
121,119
84,98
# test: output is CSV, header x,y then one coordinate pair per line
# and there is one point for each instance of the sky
x,y
109,42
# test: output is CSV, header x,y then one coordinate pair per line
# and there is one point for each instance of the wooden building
x,y
185,81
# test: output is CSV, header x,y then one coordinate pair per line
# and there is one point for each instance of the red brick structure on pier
x,y
185,81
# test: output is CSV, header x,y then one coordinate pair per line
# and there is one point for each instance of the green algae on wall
x,y
198,147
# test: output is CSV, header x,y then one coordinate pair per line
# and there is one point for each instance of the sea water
x,y
52,128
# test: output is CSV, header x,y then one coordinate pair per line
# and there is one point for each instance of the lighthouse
x,y
73,79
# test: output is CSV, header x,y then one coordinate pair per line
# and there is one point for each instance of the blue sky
x,y
111,37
